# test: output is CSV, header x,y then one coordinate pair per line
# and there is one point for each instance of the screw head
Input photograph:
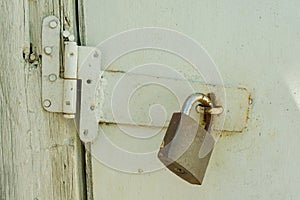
x,y
85,132
53,24
92,107
71,38
52,77
66,33
47,103
32,57
48,50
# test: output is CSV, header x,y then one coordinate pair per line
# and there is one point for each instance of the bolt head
x,y
52,77
47,103
66,33
48,50
53,24
32,57
71,38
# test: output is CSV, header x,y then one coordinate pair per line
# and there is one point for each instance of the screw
x,y
92,107
66,33
53,24
32,57
85,132
48,50
71,38
47,103
52,77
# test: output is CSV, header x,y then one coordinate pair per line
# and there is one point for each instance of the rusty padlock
x,y
187,146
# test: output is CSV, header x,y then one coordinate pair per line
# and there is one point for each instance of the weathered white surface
x,y
140,92
255,45
52,88
40,153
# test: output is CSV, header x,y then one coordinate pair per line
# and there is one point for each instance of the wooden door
x,y
41,156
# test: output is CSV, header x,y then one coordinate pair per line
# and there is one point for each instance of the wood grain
x,y
40,153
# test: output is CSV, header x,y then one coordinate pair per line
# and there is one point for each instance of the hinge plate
x,y
52,84
89,70
72,90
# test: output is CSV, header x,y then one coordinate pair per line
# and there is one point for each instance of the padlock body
x,y
186,148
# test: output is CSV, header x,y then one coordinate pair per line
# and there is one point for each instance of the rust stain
x,y
250,101
229,133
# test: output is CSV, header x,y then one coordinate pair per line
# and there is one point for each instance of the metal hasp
x,y
187,147
69,90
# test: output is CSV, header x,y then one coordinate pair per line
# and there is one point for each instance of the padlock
x,y
187,146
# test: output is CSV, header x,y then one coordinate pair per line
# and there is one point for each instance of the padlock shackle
x,y
192,99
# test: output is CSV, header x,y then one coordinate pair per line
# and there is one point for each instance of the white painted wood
x,y
256,45
40,153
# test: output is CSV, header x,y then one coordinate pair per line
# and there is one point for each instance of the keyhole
x,y
179,170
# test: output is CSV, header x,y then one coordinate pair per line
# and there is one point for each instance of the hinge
x,y
71,90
